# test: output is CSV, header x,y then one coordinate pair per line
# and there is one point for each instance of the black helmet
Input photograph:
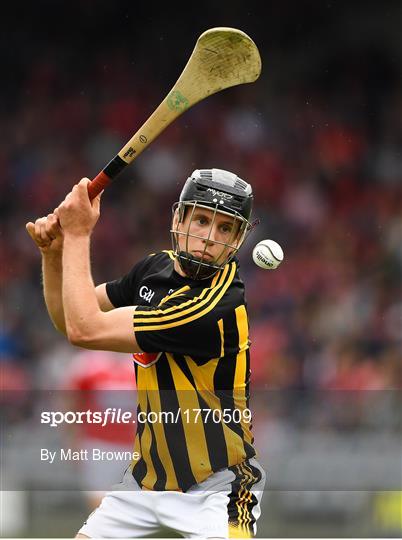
x,y
222,192
212,187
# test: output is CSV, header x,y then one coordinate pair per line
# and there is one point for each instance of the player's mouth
x,y
203,255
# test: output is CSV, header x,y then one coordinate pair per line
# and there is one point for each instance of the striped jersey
x,y
193,373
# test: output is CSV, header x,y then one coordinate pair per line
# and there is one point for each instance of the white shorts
x,y
225,505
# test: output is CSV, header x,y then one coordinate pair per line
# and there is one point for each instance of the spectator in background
x,y
96,381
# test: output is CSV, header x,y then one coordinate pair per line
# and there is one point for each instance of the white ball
x,y
268,254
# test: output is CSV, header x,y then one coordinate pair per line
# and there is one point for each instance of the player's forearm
x,y
81,308
86,324
52,288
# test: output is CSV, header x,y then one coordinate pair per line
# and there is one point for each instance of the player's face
x,y
209,236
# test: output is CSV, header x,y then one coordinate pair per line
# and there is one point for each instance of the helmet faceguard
x,y
222,193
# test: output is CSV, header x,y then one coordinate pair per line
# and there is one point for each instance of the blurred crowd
x,y
323,157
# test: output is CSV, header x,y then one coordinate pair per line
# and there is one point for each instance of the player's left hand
x,y
77,213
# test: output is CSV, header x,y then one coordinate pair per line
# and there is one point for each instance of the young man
x,y
182,314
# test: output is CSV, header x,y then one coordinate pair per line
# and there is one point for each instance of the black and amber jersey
x,y
193,376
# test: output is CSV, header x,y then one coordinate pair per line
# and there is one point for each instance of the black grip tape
x,y
114,167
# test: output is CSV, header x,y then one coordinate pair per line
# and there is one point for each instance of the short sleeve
x,y
192,336
121,291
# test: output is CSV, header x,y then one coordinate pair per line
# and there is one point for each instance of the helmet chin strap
x,y
194,268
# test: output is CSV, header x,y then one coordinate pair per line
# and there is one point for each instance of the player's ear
x,y
179,215
175,220
238,232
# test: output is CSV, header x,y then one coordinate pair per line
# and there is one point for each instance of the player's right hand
x,y
46,233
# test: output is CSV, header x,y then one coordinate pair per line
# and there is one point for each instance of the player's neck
x,y
178,268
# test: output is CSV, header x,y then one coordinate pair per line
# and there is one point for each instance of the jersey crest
x,y
146,360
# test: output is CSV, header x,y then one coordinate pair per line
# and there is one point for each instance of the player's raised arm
x,y
86,324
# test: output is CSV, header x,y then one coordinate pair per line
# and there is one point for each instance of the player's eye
x,y
226,228
202,220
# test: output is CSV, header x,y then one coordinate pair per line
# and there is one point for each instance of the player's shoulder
x,y
156,259
225,289
157,256
164,255
235,292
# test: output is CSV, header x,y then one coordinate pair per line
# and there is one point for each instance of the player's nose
x,y
212,236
